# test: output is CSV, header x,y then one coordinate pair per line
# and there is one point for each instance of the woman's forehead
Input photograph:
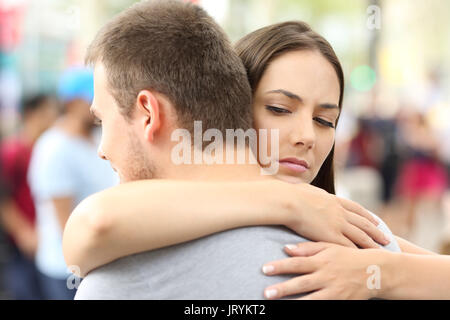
x,y
304,73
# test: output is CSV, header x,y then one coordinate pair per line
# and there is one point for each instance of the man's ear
x,y
150,107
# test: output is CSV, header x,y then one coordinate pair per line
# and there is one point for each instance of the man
x,y
64,169
159,66
18,211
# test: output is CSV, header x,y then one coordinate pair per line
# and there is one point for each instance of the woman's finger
x,y
344,241
297,285
358,209
359,237
318,295
306,249
368,228
294,265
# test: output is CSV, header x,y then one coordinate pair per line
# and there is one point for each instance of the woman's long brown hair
x,y
260,47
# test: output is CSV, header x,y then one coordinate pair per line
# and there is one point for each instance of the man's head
x,y
159,66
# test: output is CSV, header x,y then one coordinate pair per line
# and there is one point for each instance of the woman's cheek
x,y
264,130
326,144
283,140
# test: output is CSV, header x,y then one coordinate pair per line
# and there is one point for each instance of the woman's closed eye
x,y
324,122
280,111
277,110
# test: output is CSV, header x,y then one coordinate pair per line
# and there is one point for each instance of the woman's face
x,y
299,95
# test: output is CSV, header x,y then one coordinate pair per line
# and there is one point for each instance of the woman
x,y
272,56
421,175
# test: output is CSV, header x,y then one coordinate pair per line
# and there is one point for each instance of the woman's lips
x,y
294,164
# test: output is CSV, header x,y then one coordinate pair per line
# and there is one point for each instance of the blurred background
x,y
393,138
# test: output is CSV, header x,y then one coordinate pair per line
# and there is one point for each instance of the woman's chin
x,y
291,179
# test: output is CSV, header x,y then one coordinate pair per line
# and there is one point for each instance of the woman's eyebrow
x,y
287,94
296,97
328,106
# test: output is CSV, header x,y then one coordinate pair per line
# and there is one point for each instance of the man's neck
x,y
249,170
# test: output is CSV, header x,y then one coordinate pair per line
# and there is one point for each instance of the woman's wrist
x,y
280,201
392,274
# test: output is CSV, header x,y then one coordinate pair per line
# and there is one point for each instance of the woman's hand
x,y
329,271
320,216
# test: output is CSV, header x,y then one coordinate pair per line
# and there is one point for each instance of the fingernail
x,y
291,246
271,293
267,269
387,238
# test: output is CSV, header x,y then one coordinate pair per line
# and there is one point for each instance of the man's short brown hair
x,y
177,49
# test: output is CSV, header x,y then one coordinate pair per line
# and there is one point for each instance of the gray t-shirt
x,y
222,266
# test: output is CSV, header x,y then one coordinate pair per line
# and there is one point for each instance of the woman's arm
x,y
418,276
408,247
336,272
145,215
150,214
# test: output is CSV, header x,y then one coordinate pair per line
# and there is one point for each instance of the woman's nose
x,y
304,134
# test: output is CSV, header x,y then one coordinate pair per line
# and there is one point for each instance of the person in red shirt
x,y
17,214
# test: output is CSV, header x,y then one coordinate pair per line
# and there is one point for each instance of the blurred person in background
x,y
3,192
64,169
18,210
375,146
3,254
365,147
422,176
387,131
